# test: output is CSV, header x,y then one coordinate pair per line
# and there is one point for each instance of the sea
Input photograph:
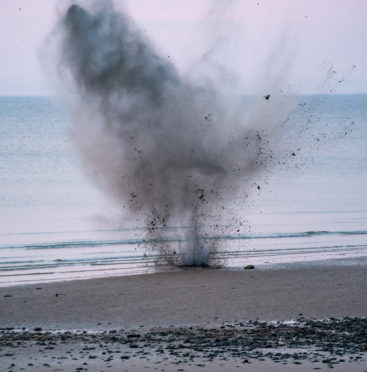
x,y
55,224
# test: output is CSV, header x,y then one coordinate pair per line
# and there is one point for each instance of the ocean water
x,y
56,225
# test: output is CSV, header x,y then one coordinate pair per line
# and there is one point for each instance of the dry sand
x,y
180,298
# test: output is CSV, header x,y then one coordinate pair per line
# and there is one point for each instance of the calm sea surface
x,y
55,225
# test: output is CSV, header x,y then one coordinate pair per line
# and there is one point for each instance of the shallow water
x,y
55,225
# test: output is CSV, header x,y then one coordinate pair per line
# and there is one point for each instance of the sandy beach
x,y
189,296
183,186
209,298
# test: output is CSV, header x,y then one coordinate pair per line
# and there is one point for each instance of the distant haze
x,y
323,34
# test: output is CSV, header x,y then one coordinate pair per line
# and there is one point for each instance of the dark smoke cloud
x,y
175,152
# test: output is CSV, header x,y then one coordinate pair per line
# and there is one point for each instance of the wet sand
x,y
190,297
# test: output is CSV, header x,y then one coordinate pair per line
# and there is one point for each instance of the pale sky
x,y
308,46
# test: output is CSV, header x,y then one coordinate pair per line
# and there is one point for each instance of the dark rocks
x,y
321,341
131,335
249,267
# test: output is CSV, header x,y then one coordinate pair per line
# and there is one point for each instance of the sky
x,y
303,46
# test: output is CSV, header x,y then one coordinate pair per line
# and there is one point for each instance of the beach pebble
x,y
326,341
249,267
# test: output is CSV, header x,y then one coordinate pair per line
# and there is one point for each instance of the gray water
x,y
55,225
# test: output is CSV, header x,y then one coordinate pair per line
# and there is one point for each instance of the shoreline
x,y
261,265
